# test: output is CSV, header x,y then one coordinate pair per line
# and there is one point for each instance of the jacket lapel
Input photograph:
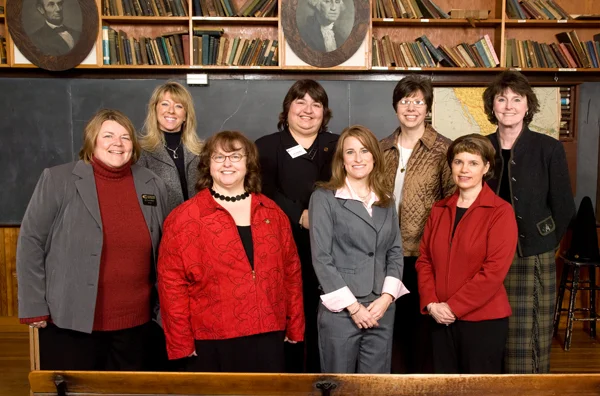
x,y
86,187
379,217
140,181
161,155
358,209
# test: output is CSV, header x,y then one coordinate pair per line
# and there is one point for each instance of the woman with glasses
x,y
417,175
229,275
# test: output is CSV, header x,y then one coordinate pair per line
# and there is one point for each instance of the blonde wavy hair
x,y
152,137
377,175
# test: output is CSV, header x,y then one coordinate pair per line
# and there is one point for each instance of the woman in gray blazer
x,y
87,251
357,256
169,141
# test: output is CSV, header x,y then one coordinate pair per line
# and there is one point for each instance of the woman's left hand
x,y
379,306
290,341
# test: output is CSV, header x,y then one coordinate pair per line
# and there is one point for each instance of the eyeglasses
x,y
220,158
417,103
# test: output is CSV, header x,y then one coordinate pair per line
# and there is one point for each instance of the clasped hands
x,y
367,317
39,325
441,313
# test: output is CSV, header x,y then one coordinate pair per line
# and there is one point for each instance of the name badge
x,y
296,151
149,199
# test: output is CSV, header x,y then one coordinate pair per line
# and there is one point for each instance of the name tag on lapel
x,y
296,151
149,199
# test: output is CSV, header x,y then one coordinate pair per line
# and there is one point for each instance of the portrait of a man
x,y
53,37
328,26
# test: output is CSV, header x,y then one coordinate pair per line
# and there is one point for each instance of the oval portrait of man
x,y
324,33
53,26
325,25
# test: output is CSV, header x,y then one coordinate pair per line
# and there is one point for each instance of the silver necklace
x,y
175,156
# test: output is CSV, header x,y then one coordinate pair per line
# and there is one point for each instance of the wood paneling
x,y
88,383
8,271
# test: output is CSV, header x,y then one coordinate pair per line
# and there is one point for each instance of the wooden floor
x,y
584,357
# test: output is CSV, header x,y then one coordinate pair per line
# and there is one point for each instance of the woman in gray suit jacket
x,y
357,256
87,251
169,141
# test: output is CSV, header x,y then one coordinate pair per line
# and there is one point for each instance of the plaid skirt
x,y
531,288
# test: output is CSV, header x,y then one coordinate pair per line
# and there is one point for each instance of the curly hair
x,y
376,177
152,138
229,141
517,83
316,3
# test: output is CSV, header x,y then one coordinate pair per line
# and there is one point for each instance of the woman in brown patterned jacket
x,y
418,174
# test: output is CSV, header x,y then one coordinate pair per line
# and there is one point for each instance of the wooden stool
x,y
574,284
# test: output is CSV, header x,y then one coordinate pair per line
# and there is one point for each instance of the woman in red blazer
x,y
229,277
467,248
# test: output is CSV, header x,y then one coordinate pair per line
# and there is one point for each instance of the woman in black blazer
x,y
292,161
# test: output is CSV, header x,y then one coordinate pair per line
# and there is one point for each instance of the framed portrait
x,y
53,34
325,33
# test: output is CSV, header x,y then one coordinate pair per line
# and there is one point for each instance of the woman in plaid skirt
x,y
531,174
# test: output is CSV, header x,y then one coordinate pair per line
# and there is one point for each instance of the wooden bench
x,y
136,383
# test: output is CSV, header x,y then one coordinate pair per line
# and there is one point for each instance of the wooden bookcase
x,y
4,34
448,32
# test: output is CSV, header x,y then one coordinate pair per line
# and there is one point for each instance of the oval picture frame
x,y
81,49
323,59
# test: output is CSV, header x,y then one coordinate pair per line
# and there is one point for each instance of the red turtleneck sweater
x,y
124,284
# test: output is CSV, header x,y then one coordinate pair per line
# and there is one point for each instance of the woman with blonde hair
x,y
357,256
169,141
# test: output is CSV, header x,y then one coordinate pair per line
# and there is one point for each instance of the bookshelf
x,y
152,19
3,38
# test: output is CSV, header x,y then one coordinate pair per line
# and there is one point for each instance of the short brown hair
x,y
410,85
92,129
474,144
230,141
298,91
377,175
517,83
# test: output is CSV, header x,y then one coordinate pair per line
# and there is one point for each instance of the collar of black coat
x,y
428,138
523,137
486,198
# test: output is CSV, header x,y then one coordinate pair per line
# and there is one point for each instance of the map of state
x,y
459,111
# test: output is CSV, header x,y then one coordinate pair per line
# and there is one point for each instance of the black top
x,y
504,192
459,214
175,150
246,235
290,181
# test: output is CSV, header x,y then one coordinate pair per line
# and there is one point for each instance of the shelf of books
x,y
440,35
3,35
555,35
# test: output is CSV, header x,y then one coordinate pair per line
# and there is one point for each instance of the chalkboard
x,y
42,120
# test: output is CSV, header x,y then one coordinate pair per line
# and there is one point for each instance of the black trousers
x,y
469,347
303,357
411,348
258,353
119,350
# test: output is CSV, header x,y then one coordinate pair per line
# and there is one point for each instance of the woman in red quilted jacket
x,y
229,275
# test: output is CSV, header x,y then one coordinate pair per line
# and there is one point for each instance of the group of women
x,y
305,251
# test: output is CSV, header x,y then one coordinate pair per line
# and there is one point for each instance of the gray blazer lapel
x,y
358,209
86,187
188,156
379,216
161,155
140,180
